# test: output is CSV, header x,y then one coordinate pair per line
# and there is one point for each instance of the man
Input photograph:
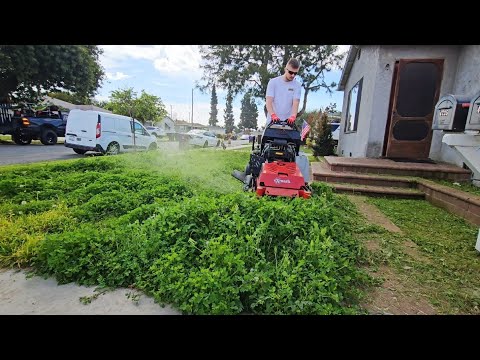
x,y
283,94
283,99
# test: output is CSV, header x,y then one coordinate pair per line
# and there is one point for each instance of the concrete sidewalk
x,y
19,295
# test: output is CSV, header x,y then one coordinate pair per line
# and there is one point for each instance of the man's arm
x,y
296,103
270,105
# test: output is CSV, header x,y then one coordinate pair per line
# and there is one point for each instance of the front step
x,y
390,167
321,172
378,191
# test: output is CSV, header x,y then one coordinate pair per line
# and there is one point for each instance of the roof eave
x,y
352,53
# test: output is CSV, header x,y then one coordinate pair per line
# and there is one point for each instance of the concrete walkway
x,y
19,296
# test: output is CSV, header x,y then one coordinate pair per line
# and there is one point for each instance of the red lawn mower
x,y
276,168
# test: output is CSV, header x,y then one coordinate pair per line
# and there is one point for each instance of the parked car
x,y
202,138
245,137
156,131
89,130
335,127
25,124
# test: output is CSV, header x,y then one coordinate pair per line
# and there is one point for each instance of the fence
x,y
6,113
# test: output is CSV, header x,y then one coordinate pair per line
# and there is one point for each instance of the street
x,y
11,153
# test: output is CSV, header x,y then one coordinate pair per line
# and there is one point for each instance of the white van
x,y
89,130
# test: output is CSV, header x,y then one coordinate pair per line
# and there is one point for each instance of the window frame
x,y
348,127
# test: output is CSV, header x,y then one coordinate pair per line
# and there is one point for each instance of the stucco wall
x,y
466,82
354,144
372,65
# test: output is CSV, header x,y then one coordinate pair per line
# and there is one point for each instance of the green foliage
x,y
49,68
229,120
249,113
323,137
179,227
213,108
20,232
144,108
249,67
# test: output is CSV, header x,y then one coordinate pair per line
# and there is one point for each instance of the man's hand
x,y
275,118
291,120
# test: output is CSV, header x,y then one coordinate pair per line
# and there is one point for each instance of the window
x,y
139,129
354,98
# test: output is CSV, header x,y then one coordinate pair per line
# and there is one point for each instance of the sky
x,y
171,71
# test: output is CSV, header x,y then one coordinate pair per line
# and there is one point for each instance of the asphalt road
x,y
11,153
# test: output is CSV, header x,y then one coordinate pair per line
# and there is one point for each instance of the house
x,y
390,92
185,126
69,106
167,124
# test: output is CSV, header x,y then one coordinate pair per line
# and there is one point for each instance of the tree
x,y
213,108
149,108
249,113
249,67
122,101
323,136
228,117
145,108
28,72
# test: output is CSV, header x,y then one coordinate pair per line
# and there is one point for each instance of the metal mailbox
x,y
473,117
451,113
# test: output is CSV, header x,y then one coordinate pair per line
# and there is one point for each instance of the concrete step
x,y
379,191
390,167
322,172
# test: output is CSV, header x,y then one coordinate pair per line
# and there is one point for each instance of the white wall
x,y
354,144
377,81
466,82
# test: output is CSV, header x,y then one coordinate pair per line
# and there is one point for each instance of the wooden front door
x,y
415,91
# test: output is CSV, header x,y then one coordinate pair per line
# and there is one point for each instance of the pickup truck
x,y
25,124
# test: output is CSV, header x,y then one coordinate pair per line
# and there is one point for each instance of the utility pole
x,y
192,106
171,112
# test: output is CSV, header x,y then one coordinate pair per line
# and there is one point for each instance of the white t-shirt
x,y
283,93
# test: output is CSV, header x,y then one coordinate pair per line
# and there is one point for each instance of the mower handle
x,y
283,123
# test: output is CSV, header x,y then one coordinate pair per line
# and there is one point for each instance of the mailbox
x,y
451,113
473,118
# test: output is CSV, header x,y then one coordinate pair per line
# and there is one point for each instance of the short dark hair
x,y
294,63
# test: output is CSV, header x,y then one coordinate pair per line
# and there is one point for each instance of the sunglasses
x,y
292,72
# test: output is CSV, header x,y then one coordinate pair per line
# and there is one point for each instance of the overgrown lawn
x,y
179,227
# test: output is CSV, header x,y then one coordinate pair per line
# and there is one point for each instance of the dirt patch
x,y
372,214
396,296
372,245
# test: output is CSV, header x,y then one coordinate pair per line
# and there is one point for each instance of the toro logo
x,y
281,181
